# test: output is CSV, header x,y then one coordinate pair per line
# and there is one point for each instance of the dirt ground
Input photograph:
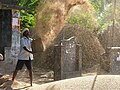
x,y
22,81
40,76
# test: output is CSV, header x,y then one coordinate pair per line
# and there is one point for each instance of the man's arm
x,y
27,49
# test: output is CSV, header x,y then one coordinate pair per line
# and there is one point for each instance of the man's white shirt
x,y
25,55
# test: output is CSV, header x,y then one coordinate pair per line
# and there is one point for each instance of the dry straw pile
x,y
50,27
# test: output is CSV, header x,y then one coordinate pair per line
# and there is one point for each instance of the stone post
x,y
114,60
68,59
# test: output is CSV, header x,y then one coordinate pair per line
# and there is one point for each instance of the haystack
x,y
50,27
92,50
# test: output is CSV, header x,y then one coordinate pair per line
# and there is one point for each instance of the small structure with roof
x,y
9,33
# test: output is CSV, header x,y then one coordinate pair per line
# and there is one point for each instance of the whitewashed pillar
x,y
15,46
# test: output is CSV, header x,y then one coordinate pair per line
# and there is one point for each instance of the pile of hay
x,y
92,50
50,19
50,27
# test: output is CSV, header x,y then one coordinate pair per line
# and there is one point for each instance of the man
x,y
25,56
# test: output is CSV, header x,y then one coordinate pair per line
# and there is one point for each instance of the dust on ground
x,y
40,76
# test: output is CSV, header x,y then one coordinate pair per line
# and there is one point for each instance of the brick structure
x,y
68,59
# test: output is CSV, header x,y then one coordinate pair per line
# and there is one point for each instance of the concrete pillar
x,y
68,59
115,60
11,53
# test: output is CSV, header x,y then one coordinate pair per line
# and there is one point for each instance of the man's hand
x,y
30,52
27,50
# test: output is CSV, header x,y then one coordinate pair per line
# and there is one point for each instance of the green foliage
x,y
100,5
103,12
28,13
105,19
84,19
97,5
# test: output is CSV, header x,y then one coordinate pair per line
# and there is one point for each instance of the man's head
x,y
26,32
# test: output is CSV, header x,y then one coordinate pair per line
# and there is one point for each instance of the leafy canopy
x,y
28,13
